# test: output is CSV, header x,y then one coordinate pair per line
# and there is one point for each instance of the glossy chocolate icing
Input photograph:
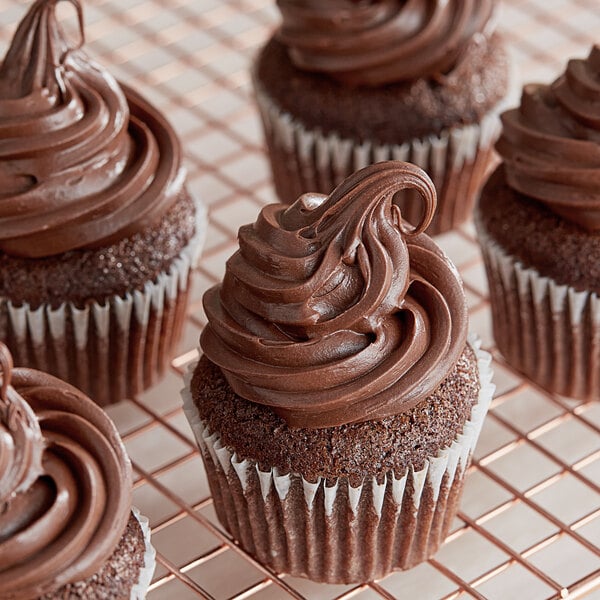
x,y
21,441
335,310
65,484
374,42
83,161
550,145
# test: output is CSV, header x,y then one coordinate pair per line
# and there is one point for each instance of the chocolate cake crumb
x,y
81,275
117,576
533,234
392,113
356,451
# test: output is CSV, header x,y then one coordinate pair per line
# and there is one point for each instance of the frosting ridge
x,y
66,520
83,161
550,144
374,42
21,441
334,310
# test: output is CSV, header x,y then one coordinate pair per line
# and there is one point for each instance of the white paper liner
x,y
548,331
111,350
138,591
388,517
308,160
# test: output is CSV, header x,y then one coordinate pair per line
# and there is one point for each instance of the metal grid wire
x,y
529,523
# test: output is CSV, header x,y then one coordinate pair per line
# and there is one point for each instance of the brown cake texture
x,y
538,222
323,539
355,451
339,397
323,120
119,360
544,281
539,238
117,576
321,545
81,275
98,232
392,113
67,527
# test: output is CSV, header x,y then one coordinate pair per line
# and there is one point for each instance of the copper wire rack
x,y
529,521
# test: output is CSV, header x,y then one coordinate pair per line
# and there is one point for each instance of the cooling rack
x,y
529,521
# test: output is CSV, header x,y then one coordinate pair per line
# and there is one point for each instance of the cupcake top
x,y
334,310
65,483
550,144
375,42
83,161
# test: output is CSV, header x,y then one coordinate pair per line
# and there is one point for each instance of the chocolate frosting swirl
x,y
82,161
21,442
374,42
551,143
333,310
65,511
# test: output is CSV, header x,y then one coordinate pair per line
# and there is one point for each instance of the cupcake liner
x,y
548,331
110,350
308,160
138,591
328,530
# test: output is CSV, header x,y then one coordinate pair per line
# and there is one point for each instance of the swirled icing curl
x,y
374,42
334,310
83,162
21,442
550,145
65,518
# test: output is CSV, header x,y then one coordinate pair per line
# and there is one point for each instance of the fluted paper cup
x,y
548,331
110,350
138,591
328,530
308,160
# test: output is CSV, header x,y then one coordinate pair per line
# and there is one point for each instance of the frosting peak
x,y
374,42
334,310
34,63
65,484
550,145
83,161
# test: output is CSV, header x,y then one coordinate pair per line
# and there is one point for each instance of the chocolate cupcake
x,y
67,529
338,401
97,230
344,84
538,222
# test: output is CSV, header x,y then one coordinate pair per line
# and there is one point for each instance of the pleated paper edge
x,y
24,317
567,305
448,460
139,590
457,159
48,327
